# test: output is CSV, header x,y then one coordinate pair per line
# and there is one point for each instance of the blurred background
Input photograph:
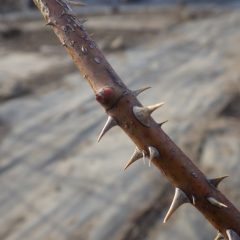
x,y
56,182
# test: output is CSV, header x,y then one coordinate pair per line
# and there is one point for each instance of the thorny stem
x,y
126,111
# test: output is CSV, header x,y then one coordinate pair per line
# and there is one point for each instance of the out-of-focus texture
x,y
57,183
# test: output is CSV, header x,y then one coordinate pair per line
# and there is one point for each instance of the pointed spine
x,y
179,199
216,203
161,124
139,91
154,107
232,235
143,113
216,181
138,154
108,125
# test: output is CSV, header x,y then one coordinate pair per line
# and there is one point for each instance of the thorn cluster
x,y
142,114
85,48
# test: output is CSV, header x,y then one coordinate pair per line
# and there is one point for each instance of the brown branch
x,y
126,111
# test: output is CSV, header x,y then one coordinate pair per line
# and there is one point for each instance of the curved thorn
x,y
136,155
179,199
153,153
219,236
160,124
216,181
232,235
216,203
138,91
108,125
77,3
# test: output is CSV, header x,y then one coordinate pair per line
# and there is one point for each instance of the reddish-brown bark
x,y
118,101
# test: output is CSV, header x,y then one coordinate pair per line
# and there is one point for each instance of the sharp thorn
x,y
179,199
232,235
216,203
143,113
136,155
216,181
152,108
219,236
137,92
160,124
76,3
153,153
108,125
